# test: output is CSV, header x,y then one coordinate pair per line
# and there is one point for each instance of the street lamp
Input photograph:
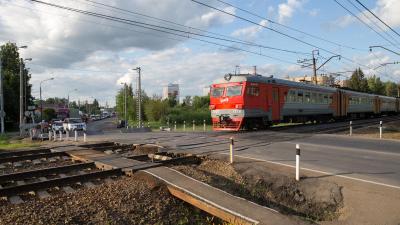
x,y
70,93
378,46
139,98
41,101
125,106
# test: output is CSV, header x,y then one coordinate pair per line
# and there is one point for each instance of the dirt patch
x,y
145,149
310,198
124,201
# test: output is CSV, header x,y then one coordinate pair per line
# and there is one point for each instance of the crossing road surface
x,y
367,160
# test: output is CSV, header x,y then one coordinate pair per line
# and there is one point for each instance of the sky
x,y
95,55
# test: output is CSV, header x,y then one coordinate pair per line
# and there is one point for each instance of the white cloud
x,y
251,31
286,10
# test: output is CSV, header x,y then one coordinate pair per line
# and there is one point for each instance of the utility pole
x,y
315,66
139,98
125,106
1,99
21,94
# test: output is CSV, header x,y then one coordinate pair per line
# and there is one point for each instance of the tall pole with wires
x,y
139,97
315,66
1,100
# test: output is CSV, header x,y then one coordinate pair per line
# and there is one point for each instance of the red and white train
x,y
248,101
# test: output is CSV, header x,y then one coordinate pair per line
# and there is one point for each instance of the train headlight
x,y
239,106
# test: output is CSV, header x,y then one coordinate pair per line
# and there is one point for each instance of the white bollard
x,y
175,126
351,128
67,135
297,162
84,136
50,135
60,135
231,150
76,135
204,125
380,129
194,125
55,136
184,125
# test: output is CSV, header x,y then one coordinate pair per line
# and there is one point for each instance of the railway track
x,y
37,174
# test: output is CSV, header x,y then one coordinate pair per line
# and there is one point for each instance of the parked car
x,y
72,124
57,126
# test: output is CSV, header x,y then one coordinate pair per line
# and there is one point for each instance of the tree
x,y
156,109
49,114
56,101
358,82
376,86
391,89
201,102
10,70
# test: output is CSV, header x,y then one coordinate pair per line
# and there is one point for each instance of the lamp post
x,y
70,93
1,100
378,46
125,106
41,101
139,97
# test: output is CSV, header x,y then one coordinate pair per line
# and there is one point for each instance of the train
x,y
253,101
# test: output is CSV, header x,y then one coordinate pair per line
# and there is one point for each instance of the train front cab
x,y
226,105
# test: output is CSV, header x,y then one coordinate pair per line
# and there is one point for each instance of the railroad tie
x,y
15,200
65,158
52,159
42,178
20,182
61,175
109,152
2,166
88,184
108,180
36,162
68,189
17,164
42,194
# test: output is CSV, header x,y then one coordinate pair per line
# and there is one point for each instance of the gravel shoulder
x,y
126,200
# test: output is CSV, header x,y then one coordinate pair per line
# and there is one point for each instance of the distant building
x,y
171,91
206,90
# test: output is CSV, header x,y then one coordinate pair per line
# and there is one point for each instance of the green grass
x,y
7,144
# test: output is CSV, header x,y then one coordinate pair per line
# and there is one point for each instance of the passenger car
x,y
72,124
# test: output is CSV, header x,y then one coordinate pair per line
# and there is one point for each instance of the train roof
x,y
263,79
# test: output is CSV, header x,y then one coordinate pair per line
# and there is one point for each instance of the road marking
x,y
317,171
203,199
343,148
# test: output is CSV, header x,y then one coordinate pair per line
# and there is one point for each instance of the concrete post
x,y
50,135
76,135
184,125
175,126
204,125
297,162
194,125
351,128
60,136
54,136
67,135
231,150
380,129
84,136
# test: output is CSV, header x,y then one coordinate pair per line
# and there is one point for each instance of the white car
x,y
72,124
57,126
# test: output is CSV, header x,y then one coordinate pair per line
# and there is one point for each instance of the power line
x,y
225,37
377,17
373,22
158,28
274,30
362,21
288,27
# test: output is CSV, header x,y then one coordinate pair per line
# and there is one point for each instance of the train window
x,y
253,91
330,99
313,97
292,96
234,90
320,98
300,96
325,99
217,92
307,97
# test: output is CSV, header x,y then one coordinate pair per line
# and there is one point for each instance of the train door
x,y
276,109
377,108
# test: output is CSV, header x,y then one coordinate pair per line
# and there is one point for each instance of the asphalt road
x,y
371,160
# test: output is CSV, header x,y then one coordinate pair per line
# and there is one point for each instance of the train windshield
x,y
217,92
234,90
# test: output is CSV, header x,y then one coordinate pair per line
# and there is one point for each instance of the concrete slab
x,y
36,162
15,200
42,194
2,166
17,164
217,202
68,189
89,184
